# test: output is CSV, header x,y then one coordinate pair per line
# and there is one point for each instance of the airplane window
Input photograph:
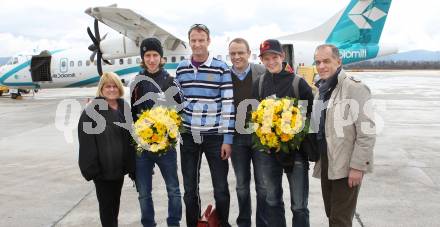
x,y
182,58
72,63
165,59
15,61
227,57
138,60
87,62
121,61
173,59
219,57
254,56
63,64
129,61
79,63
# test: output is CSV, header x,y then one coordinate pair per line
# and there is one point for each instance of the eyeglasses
x,y
198,26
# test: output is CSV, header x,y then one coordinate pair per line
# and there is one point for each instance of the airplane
x,y
355,30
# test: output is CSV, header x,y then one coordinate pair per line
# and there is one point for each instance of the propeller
x,y
95,47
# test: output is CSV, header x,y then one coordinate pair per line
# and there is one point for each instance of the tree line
x,y
394,65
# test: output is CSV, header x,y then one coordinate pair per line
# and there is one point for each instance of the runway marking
x,y
358,218
71,209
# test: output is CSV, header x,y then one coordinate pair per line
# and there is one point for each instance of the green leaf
x,y
285,147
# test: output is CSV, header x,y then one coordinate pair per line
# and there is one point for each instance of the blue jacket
x,y
208,98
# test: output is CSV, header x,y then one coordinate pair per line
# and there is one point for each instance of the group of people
x,y
208,95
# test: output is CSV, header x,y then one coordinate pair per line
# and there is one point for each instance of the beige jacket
x,y
350,129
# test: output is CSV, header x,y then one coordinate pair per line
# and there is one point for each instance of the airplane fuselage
x,y
73,68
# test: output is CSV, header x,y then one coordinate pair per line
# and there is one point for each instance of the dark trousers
x,y
108,193
339,199
242,156
298,179
191,156
144,176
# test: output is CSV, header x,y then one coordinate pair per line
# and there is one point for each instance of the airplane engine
x,y
121,47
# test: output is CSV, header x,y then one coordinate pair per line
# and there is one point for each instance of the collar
x,y
206,63
242,74
285,70
146,73
332,81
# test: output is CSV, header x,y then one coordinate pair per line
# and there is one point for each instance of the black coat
x,y
109,154
140,88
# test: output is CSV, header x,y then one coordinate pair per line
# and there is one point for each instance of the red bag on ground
x,y
209,218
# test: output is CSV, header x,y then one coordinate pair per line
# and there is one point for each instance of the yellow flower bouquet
x,y
279,124
157,130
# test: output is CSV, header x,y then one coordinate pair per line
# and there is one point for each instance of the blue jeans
x,y
144,175
242,156
299,191
191,156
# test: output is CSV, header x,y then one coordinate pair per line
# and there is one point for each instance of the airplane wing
x,y
133,25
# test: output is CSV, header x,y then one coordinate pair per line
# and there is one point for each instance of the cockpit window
x,y
12,61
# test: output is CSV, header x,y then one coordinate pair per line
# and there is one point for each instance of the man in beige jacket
x,y
346,135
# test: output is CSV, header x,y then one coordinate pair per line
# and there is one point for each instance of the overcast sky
x,y
48,24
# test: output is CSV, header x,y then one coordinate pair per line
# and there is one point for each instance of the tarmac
x,y
41,184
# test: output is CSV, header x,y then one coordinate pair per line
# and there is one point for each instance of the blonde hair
x,y
109,77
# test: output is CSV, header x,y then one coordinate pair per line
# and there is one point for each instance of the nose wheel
x,y
15,94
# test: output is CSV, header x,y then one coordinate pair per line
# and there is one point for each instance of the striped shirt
x,y
208,98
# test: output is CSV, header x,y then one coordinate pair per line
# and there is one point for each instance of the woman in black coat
x,y
105,153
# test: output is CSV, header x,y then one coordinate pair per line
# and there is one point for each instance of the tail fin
x,y
362,21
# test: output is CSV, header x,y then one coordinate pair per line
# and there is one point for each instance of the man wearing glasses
x,y
209,118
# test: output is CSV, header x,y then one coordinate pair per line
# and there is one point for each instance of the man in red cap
x,y
279,81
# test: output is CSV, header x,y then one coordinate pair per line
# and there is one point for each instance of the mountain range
x,y
414,55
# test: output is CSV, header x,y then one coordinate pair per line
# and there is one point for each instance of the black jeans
x,y
191,156
108,193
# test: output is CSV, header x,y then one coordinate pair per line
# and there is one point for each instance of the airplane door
x,y
40,67
288,52
63,65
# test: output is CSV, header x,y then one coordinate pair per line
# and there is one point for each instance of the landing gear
x,y
16,94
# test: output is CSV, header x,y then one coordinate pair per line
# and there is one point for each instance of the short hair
x,y
241,40
199,27
335,50
109,77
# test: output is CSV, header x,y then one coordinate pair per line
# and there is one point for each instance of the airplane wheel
x,y
16,96
26,91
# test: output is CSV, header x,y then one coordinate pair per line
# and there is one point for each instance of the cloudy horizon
x,y
53,24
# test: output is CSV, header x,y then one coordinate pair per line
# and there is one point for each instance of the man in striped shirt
x,y
209,118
